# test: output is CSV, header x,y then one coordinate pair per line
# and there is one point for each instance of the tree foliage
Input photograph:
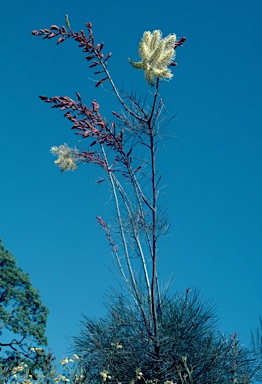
x,y
23,316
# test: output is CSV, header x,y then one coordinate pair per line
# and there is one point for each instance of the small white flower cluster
x,y
66,360
156,54
117,345
37,350
66,158
19,368
105,375
139,375
61,378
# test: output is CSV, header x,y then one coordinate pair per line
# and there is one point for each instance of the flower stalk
x,y
117,148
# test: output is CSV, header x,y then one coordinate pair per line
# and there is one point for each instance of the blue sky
x,y
212,166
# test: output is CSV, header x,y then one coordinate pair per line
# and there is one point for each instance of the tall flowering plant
x,y
155,339
116,148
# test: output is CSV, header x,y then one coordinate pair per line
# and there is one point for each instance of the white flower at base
x,y
156,54
66,159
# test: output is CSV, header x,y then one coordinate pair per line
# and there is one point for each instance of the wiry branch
x,y
126,252
132,214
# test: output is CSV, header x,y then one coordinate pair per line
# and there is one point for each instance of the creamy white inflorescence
x,y
66,159
156,53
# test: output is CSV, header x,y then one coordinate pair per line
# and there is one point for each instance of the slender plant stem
x,y
131,215
122,233
154,219
115,89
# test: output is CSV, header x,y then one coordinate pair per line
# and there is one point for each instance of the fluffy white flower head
x,y
156,53
66,159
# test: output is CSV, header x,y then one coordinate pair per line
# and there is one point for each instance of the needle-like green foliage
x,y
192,350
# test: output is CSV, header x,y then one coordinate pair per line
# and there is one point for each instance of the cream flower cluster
x,y
66,360
105,375
61,378
19,368
117,345
37,350
66,159
156,53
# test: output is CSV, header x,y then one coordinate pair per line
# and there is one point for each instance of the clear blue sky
x,y
212,167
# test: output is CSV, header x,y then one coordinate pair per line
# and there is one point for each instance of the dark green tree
x,y
22,316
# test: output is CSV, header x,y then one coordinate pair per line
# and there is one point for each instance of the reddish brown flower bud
x,y
95,106
116,114
95,63
101,221
180,42
101,81
99,181
107,57
60,40
55,27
